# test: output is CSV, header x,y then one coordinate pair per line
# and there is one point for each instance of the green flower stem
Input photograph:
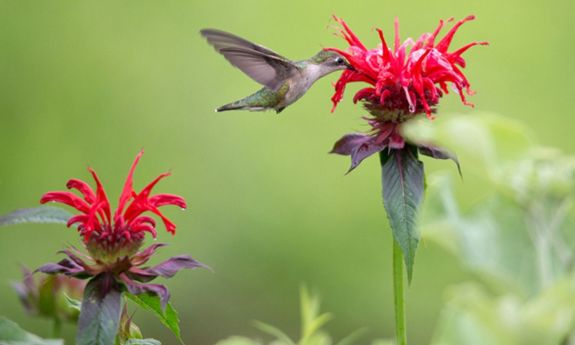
x,y
398,295
57,328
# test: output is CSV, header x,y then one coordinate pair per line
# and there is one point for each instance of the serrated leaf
x,y
42,214
12,334
403,187
148,341
100,312
168,317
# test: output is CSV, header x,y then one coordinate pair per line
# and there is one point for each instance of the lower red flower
x,y
108,237
113,241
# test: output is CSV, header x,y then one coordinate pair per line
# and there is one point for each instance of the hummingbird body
x,y
262,99
284,81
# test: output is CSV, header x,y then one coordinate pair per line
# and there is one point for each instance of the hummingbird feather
x,y
221,39
259,63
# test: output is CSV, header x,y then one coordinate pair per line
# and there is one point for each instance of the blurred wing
x,y
261,64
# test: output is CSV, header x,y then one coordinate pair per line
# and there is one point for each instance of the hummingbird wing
x,y
259,63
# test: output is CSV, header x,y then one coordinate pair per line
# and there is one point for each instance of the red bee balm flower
x,y
107,237
406,80
113,241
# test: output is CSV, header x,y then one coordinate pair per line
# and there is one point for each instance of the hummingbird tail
x,y
239,105
259,101
230,106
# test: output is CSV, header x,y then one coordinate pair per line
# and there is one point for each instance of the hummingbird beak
x,y
350,67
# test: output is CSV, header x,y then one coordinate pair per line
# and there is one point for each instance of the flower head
x,y
106,235
113,241
406,79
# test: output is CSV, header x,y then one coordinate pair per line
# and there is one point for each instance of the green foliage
x,y
100,313
312,321
46,296
47,299
73,303
127,330
517,238
168,316
42,214
403,187
474,316
12,334
518,235
281,337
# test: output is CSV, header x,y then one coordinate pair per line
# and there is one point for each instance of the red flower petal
x,y
168,199
142,203
128,224
102,204
128,189
66,198
408,79
79,218
83,188
349,36
443,45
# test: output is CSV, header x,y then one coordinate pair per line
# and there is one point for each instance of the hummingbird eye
x,y
338,60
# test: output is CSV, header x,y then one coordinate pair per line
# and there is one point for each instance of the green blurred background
x,y
90,83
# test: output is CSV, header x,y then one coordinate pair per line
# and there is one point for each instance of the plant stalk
x,y
57,328
398,295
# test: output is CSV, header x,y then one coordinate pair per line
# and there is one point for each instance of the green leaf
x,y
474,316
274,331
12,334
481,139
498,237
311,320
127,330
100,312
148,341
440,153
46,300
169,316
403,186
73,303
42,214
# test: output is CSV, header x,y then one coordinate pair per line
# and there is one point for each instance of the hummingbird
x,y
284,81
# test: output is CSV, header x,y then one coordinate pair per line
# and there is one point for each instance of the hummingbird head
x,y
330,61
